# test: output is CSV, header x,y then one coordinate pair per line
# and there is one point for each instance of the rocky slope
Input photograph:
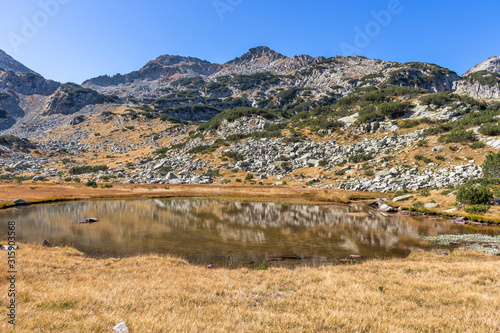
x,y
490,65
193,89
7,63
342,122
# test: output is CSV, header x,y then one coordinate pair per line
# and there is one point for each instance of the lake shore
x,y
424,292
51,192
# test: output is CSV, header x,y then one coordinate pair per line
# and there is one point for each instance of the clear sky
x,y
73,40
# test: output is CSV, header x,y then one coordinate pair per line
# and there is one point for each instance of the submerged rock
x,y
88,220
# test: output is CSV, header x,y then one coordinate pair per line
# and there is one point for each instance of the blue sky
x,y
75,39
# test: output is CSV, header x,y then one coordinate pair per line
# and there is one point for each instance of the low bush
x,y
356,158
91,183
491,166
471,194
477,209
458,136
87,169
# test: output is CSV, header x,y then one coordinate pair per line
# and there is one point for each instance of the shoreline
x,y
56,193
40,193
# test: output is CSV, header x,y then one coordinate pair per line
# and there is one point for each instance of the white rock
x,y
402,198
120,328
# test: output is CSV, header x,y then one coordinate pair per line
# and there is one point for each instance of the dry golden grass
x,y
60,290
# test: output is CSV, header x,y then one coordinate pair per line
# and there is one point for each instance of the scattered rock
x,y
386,208
355,256
402,198
120,328
88,220
10,247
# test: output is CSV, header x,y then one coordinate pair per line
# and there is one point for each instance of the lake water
x,y
227,234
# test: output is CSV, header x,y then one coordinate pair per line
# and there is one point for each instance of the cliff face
x,y
71,98
482,81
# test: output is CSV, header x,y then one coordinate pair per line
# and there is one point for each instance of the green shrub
x,y
419,157
477,145
91,183
491,166
249,176
356,158
409,123
394,109
458,136
87,169
440,158
422,143
234,155
471,194
439,99
490,129
477,209
203,149
425,192
211,173
369,173
418,204
453,148
339,172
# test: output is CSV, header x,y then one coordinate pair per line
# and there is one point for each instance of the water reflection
x,y
225,233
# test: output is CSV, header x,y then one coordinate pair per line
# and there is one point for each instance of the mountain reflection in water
x,y
223,233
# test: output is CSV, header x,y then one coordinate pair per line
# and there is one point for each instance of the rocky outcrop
x,y
478,90
490,65
166,67
71,98
27,83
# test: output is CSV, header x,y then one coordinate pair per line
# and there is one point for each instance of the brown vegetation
x,y
62,291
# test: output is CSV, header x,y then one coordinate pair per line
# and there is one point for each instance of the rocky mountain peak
x,y
490,65
8,63
261,53
172,60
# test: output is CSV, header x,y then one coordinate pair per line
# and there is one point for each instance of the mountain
x,y
341,122
193,89
7,63
26,98
490,65
482,81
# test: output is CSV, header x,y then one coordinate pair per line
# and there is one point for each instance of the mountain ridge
x,y
190,88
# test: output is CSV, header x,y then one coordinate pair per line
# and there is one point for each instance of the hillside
x,y
263,118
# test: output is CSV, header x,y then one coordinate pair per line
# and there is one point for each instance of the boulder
x,y
20,202
431,205
402,198
386,208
